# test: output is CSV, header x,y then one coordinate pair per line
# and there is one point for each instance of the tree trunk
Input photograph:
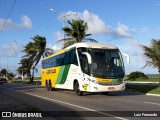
x,y
30,77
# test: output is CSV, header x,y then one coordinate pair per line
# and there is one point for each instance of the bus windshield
x,y
106,63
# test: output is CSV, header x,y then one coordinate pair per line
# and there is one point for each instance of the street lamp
x,y
63,18
6,67
22,69
53,10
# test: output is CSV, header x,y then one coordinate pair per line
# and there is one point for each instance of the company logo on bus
x,y
51,71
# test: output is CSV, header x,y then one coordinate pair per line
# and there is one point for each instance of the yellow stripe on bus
x,y
104,80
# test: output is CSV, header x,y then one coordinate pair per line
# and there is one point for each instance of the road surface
x,y
126,105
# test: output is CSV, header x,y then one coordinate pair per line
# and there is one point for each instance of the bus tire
x,y
104,93
77,90
50,86
47,85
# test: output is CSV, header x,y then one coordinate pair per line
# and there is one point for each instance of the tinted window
x,y
59,60
66,58
84,64
73,57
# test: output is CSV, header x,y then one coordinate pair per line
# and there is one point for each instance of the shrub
x,y
137,74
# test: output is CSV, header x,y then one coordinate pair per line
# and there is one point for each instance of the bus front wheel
x,y
77,90
104,93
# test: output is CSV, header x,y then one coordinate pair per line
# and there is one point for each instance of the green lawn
x,y
146,80
26,82
145,88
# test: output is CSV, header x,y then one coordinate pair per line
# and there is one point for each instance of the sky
x,y
127,24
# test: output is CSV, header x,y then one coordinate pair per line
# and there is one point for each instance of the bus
x,y
84,67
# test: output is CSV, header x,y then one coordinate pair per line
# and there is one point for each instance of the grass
x,y
145,88
151,79
37,81
26,82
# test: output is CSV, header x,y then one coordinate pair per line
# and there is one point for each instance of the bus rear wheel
x,y
47,85
77,90
50,86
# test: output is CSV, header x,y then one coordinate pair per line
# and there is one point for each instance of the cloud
x,y
95,24
133,49
144,30
55,47
64,16
98,27
26,23
59,35
9,50
122,31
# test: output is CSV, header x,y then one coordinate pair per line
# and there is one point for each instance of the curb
x,y
153,94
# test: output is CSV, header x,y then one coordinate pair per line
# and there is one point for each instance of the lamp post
x,y
7,67
54,11
63,19
22,69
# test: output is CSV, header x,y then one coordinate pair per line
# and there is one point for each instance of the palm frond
x,y
89,40
77,31
153,53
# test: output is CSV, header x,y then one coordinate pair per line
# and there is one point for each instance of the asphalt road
x,y
126,105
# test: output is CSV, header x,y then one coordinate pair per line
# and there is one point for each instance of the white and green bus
x,y
84,67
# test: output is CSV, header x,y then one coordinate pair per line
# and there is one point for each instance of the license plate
x,y
111,88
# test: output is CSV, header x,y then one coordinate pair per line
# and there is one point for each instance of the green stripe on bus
x,y
65,74
60,74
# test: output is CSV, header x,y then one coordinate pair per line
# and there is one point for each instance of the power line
x,y
8,16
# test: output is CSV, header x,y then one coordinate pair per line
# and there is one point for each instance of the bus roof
x,y
86,45
93,45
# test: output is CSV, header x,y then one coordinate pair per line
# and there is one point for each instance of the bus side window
x,y
84,64
62,58
66,58
73,57
44,64
58,60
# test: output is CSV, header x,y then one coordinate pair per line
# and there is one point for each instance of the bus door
x,y
85,67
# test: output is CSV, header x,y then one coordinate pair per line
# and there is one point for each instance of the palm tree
x,y
77,32
4,72
153,53
35,51
26,65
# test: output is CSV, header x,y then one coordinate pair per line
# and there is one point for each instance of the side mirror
x,y
88,57
128,57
